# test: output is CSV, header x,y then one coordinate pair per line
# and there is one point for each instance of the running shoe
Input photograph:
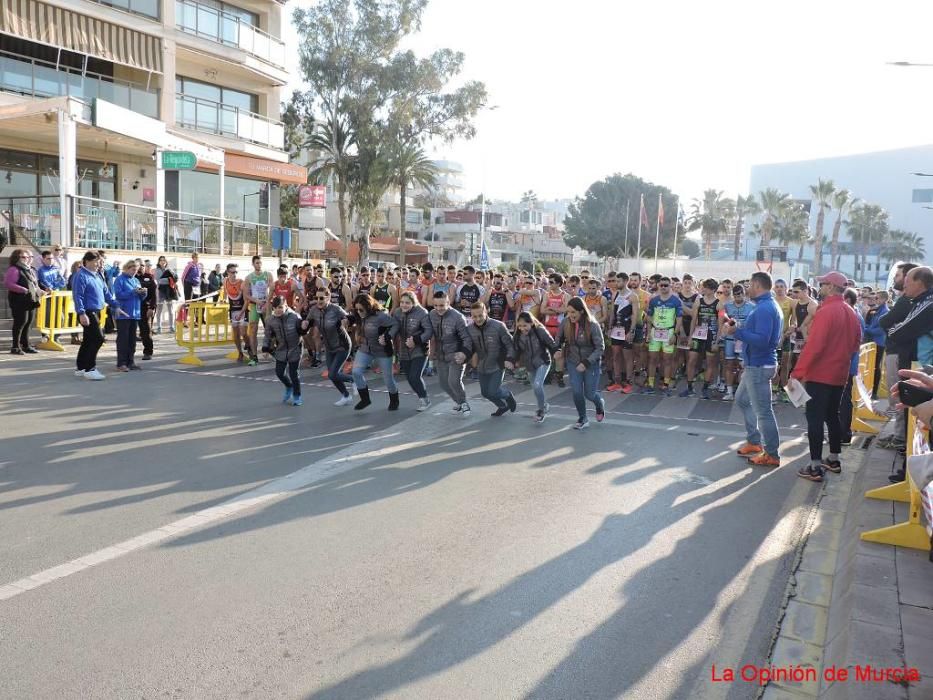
x,y
581,424
539,416
287,395
705,395
627,388
832,465
424,404
315,362
600,415
749,450
122,368
666,390
810,473
297,401
252,362
560,381
465,409
94,375
614,387
764,460
457,407
648,390
79,373
687,393
499,412
325,374
729,396
344,401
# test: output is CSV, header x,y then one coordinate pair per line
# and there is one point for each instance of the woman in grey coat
x,y
414,334
580,339
377,331
533,348
284,327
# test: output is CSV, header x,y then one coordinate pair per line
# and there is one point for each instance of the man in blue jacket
x,y
760,337
874,333
90,294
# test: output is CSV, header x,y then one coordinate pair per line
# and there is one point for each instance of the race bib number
x,y
683,344
798,345
662,335
701,332
738,346
617,333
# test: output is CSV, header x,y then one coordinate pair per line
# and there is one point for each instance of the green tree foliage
x,y
597,222
823,196
689,247
558,265
744,206
710,216
903,245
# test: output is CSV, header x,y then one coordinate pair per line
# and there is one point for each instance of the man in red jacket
x,y
823,369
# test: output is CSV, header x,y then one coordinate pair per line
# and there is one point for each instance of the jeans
x,y
585,386
293,380
450,376
363,362
126,342
537,384
845,410
823,407
490,386
754,398
414,372
91,339
334,362
23,318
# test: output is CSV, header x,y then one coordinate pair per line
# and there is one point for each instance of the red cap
x,y
837,279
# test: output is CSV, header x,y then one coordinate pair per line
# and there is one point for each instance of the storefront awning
x,y
58,27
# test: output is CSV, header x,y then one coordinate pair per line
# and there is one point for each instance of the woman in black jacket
x,y
414,333
376,332
23,294
167,282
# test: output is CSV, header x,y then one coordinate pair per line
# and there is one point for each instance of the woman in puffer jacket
x,y
284,328
377,331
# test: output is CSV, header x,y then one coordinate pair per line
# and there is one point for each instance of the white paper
x,y
662,335
701,332
617,333
796,393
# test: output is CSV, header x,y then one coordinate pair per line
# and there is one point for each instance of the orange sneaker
x,y
626,388
325,374
765,460
614,387
749,450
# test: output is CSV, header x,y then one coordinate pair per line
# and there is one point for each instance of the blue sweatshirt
x,y
89,292
853,365
50,277
873,330
761,333
124,289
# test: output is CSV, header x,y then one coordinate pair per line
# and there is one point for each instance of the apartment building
x,y
143,124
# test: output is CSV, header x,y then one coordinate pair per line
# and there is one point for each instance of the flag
x,y
484,257
644,213
660,211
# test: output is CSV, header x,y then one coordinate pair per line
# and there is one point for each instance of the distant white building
x,y
884,178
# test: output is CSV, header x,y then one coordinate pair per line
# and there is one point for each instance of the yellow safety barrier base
x,y
912,533
207,325
862,387
56,316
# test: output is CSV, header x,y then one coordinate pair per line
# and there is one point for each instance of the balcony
x,y
29,76
225,120
228,29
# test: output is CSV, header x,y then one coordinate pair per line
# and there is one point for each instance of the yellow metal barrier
x,y
862,386
912,533
207,325
56,316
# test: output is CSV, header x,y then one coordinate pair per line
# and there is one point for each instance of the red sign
x,y
312,196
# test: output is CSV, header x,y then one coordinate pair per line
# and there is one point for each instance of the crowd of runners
x,y
624,332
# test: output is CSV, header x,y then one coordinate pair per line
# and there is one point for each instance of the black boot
x,y
510,402
364,400
393,402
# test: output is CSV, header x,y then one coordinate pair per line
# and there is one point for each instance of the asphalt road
x,y
179,532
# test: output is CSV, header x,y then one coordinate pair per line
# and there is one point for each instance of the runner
x,y
256,292
596,303
288,288
492,346
469,292
284,327
339,290
624,309
580,338
376,333
451,347
664,324
239,323
500,301
804,311
439,284
639,336
553,308
786,305
704,339
413,338
384,292
330,320
533,349
364,283
737,312
688,295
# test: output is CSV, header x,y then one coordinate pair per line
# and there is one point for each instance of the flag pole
x,y
638,252
627,205
676,226
657,235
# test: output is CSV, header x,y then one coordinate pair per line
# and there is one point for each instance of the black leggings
x,y
823,407
23,319
292,381
414,371
91,340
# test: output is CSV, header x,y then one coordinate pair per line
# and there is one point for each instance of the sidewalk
x,y
853,603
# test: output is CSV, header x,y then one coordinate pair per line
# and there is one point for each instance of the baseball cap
x,y
837,279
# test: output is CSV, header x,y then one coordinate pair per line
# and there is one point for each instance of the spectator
x,y
167,282
913,333
90,294
23,294
60,260
215,279
72,276
893,357
874,333
845,407
128,293
146,278
823,368
50,278
191,277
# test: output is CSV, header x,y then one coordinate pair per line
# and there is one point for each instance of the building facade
x,y
101,103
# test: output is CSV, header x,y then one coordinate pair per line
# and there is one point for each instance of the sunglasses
x,y
322,298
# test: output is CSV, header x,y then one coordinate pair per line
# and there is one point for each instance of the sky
x,y
685,94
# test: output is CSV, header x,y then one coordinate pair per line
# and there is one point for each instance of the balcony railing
x,y
228,29
28,76
103,224
225,120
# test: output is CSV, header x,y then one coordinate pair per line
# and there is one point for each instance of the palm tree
x,y
335,144
744,206
709,216
842,203
868,223
772,202
903,245
822,192
793,226
409,166
370,175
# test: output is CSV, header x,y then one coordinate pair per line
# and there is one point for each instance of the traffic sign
x,y
179,160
